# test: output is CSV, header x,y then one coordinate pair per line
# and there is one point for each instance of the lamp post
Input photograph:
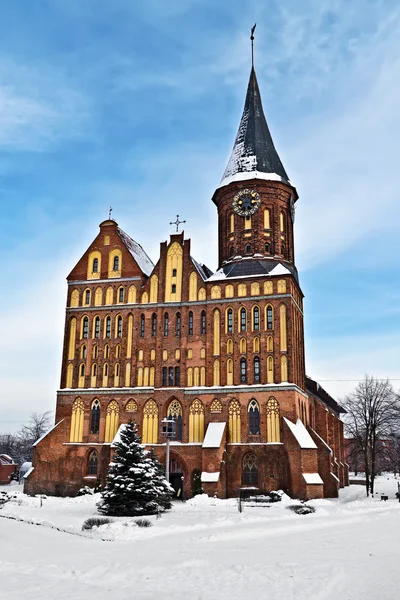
x,y
168,430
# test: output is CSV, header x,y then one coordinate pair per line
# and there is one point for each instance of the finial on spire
x,y
109,213
252,45
177,222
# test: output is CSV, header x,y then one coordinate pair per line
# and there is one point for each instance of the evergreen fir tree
x,y
135,484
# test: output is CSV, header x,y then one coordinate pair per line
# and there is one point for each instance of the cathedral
x,y
219,354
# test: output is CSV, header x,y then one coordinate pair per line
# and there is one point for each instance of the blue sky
x,y
136,105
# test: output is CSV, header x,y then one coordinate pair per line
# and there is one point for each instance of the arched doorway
x,y
176,477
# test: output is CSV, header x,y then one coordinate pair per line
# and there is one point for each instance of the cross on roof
x,y
177,222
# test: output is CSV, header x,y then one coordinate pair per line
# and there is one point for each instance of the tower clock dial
x,y
246,202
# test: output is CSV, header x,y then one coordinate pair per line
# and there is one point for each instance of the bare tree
x,y
373,413
38,424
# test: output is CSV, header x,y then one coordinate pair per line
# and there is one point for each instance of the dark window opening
x,y
242,319
87,297
119,327
95,417
203,322
95,265
173,272
250,470
256,370
248,248
254,418
121,294
243,370
173,288
230,320
178,324
177,376
170,376
267,248
166,324
154,325
190,323
142,326
269,317
85,332
108,327
256,318
97,327
164,376
93,463
116,263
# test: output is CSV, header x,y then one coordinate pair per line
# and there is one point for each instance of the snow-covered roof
x,y
322,440
301,434
29,471
248,266
209,477
202,270
214,433
25,466
335,478
5,459
143,261
246,175
279,270
47,433
117,437
311,478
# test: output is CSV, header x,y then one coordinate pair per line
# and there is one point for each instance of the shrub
x,y
143,523
95,522
4,497
85,491
301,509
276,496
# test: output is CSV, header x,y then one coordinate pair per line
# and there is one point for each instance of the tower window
x,y
87,297
121,294
119,327
256,370
141,325
95,265
173,288
154,325
116,263
108,327
242,319
243,370
173,272
97,327
254,418
256,318
190,323
171,376
85,330
203,322
267,248
230,320
269,317
177,376
106,351
166,324
178,324
95,417
164,376
248,248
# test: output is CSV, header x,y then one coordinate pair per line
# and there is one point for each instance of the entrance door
x,y
176,477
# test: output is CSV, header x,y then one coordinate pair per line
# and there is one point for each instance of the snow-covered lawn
x,y
204,549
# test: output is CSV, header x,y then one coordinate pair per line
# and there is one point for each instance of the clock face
x,y
246,203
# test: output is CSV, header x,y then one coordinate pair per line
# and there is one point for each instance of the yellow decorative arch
x,y
229,291
196,376
215,292
93,376
256,344
115,260
216,406
92,271
229,346
74,300
216,373
270,369
242,346
145,298
117,370
131,406
150,423
284,368
217,332
267,220
202,352
70,376
140,377
270,343
255,289
132,295
196,422
202,376
110,295
151,376
282,222
190,377
242,290
72,339
128,374
268,288
112,421
129,337
273,420
232,222
152,354
105,375
154,288
234,422
283,327
229,372
282,286
193,287
81,375
98,297
173,276
77,416
202,294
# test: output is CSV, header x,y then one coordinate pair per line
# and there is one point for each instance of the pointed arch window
x,y
95,416
175,413
196,422
234,422
112,421
229,346
273,421
178,324
250,470
97,327
243,370
190,322
270,317
254,418
243,319
87,297
229,320
83,351
95,265
106,351
203,322
119,326
154,325
93,463
141,325
116,263
85,328
256,318
108,327
121,294
150,423
166,324
76,431
267,248
257,370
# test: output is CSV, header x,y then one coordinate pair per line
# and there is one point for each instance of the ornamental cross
x,y
177,222
109,212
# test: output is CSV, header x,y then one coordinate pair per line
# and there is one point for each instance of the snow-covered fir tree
x,y
135,483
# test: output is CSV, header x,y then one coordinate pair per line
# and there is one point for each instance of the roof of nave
x,y
314,388
253,267
254,153
143,261
203,270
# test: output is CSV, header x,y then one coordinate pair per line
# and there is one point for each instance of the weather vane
x,y
109,213
252,44
177,222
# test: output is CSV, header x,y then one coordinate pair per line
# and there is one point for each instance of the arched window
x,y
229,372
229,291
106,351
248,248
243,370
97,327
141,325
74,301
229,346
250,470
283,327
175,413
256,318
243,319
254,418
83,351
85,327
192,287
217,332
273,425
154,324
270,370
78,411
95,416
257,370
269,316
87,296
81,380
243,346
216,372
154,288
116,263
95,351
150,423
284,368
178,324
93,463
234,422
267,248
118,351
196,422
121,294
203,322
256,344
166,323
229,320
95,265
119,326
105,375
190,322
112,421
108,327
270,343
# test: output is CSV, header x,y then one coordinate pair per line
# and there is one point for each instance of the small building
x,y
7,468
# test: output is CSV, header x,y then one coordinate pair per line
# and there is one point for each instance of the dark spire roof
x,y
254,149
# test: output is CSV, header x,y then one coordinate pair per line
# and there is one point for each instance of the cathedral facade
x,y
221,354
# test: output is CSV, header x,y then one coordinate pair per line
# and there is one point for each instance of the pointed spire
x,y
253,152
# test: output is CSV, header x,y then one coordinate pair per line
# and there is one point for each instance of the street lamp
x,y
168,430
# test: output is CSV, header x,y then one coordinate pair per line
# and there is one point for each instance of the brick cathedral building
x,y
220,353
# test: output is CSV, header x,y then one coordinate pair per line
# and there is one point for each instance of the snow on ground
x,y
204,549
